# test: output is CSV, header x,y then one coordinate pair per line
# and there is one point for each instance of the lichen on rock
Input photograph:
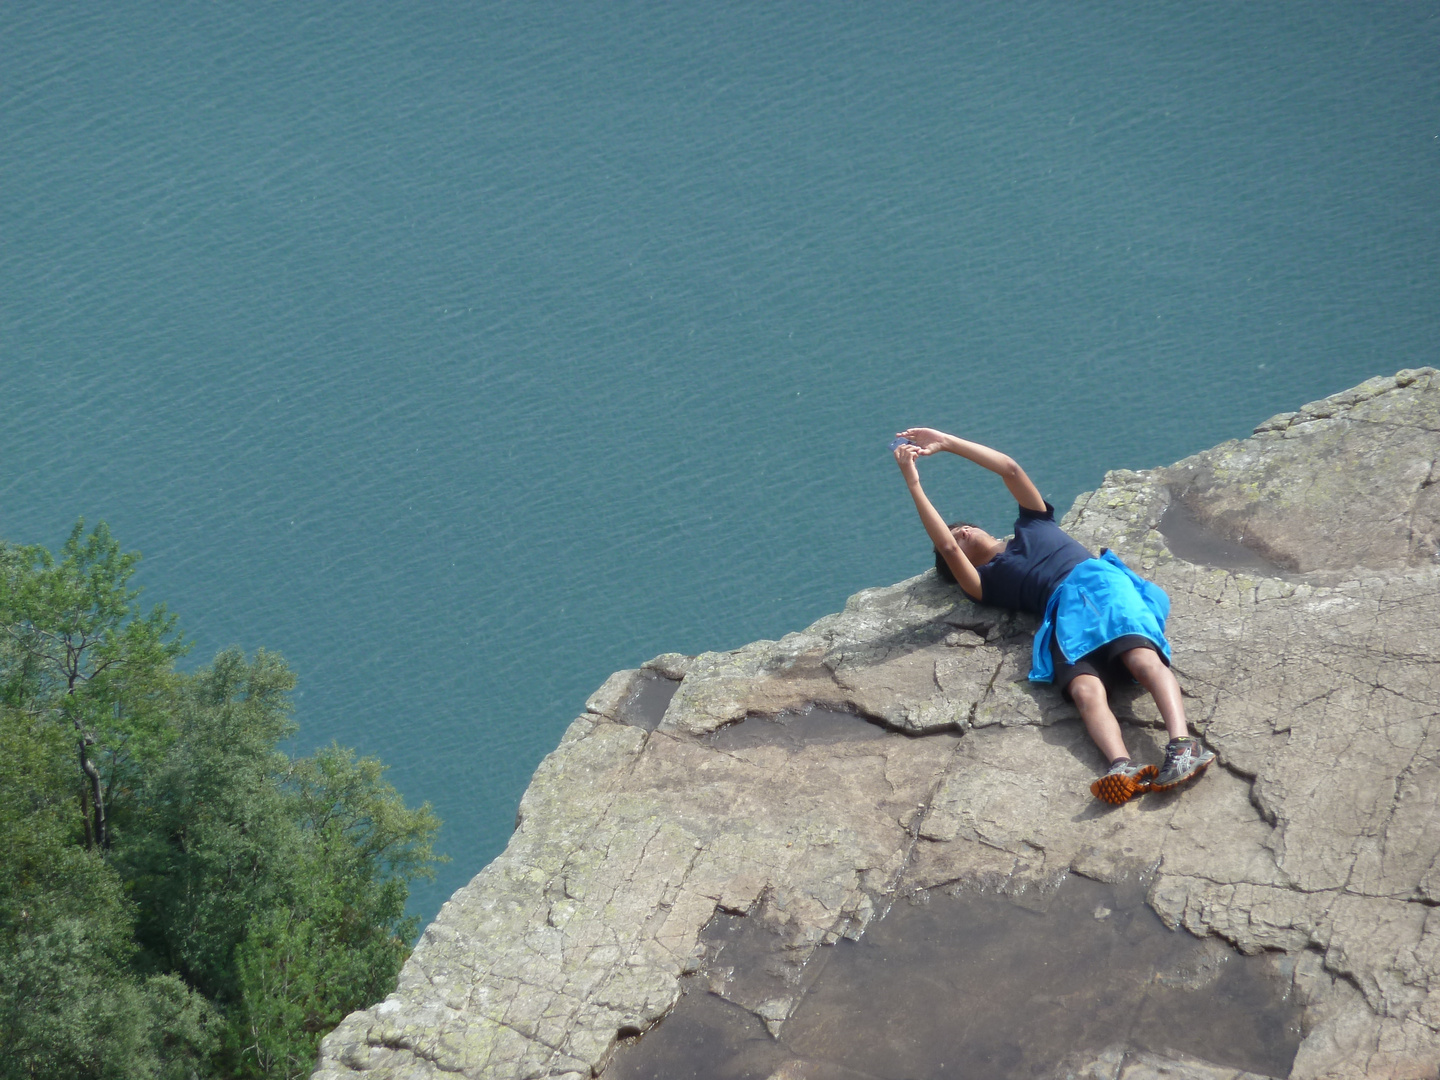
x,y
1317,684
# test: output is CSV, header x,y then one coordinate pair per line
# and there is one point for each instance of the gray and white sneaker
x,y
1184,759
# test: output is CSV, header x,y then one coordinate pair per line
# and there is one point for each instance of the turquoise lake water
x,y
466,353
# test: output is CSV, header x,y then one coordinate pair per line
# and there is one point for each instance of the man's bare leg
x,y
1185,758
1090,698
1124,779
1155,676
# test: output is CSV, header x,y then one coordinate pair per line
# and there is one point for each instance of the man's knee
x,y
1087,691
1141,660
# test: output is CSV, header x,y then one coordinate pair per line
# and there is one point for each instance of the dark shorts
x,y
1104,663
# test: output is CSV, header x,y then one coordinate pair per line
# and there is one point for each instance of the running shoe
x,y
1184,760
1124,781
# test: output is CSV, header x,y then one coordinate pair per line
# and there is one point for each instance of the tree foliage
x,y
178,896
84,654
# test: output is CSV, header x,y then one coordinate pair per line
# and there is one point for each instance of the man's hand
x,y
905,455
928,439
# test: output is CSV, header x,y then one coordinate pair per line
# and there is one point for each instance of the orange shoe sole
x,y
1120,789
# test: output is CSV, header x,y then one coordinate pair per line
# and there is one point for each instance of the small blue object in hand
x,y
898,442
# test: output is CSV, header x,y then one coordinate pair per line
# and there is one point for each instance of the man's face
x,y
979,546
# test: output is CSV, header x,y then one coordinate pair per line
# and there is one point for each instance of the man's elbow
x,y
950,552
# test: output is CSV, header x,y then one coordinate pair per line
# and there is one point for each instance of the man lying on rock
x,y
1101,622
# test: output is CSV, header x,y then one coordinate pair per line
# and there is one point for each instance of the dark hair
x,y
941,566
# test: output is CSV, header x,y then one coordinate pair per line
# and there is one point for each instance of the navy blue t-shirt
x,y
1023,576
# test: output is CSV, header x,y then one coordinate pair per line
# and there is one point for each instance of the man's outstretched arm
x,y
1007,468
935,527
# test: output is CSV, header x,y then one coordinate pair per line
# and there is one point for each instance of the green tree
x,y
71,1004
338,943
276,886
81,651
189,901
215,838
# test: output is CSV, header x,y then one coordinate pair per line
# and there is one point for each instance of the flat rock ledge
x,y
1311,666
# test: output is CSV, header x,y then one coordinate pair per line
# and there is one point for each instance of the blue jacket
x,y
1100,600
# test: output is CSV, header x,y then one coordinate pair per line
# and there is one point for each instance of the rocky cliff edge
x,y
1304,571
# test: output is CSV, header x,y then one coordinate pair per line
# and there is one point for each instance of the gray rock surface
x,y
1119,1063
1313,671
